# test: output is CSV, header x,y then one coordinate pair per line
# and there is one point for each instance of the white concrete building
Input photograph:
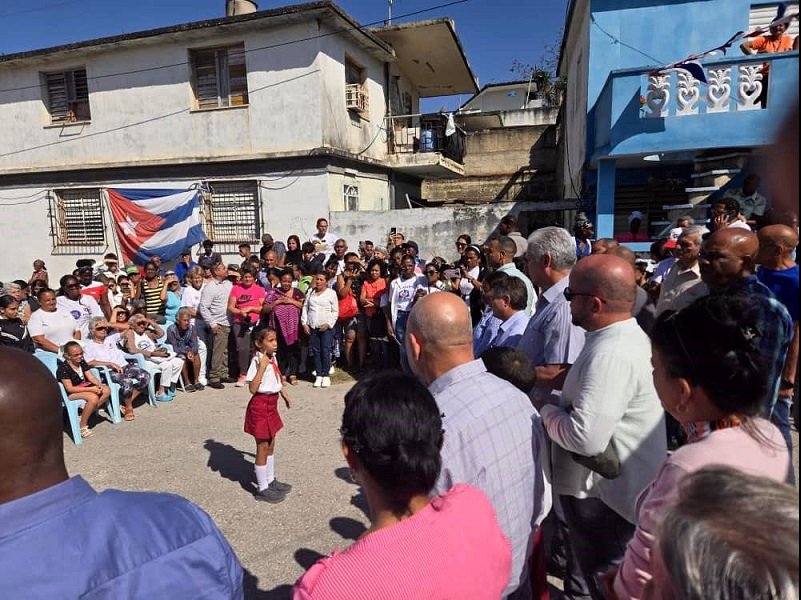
x,y
286,115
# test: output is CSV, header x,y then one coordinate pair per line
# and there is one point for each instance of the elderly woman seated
x,y
141,338
80,383
450,546
101,350
182,336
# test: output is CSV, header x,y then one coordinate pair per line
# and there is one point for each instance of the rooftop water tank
x,y
239,7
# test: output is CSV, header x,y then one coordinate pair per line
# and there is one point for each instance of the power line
x,y
34,201
258,49
38,8
617,40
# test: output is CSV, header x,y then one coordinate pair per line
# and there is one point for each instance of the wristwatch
x,y
786,384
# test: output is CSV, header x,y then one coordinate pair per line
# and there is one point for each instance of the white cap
x,y
635,214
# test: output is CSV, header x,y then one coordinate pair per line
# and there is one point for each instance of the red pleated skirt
x,y
262,420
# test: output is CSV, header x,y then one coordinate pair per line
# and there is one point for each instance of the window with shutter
x,y
350,196
68,96
220,77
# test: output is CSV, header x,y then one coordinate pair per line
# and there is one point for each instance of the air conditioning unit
x,y
356,97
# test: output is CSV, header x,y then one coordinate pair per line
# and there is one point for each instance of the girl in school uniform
x,y
262,420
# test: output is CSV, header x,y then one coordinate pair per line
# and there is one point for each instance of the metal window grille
x,y
68,96
77,220
232,212
220,76
350,195
355,89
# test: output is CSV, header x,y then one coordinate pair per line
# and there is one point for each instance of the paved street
x,y
195,446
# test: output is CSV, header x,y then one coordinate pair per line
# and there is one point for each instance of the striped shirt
x,y
153,303
494,441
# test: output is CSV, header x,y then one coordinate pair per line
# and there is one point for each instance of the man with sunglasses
x,y
608,413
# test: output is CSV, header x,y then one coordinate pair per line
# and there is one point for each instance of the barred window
x,y
68,96
232,212
350,196
220,76
76,218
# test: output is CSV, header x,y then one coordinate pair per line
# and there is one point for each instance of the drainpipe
x,y
388,124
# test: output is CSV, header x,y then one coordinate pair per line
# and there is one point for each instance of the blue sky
x,y
493,32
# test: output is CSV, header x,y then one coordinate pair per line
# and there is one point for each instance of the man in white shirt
x,y
682,285
493,436
323,240
608,407
509,227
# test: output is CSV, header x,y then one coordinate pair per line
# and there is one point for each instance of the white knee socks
x,y
265,473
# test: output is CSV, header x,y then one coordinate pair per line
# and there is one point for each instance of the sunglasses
x,y
570,294
102,329
432,272
72,286
460,245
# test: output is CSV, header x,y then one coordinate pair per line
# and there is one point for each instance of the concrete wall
x,y
373,189
434,229
506,98
493,157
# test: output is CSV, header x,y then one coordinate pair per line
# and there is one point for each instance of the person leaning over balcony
x,y
773,42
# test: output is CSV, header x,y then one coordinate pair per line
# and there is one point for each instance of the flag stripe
x,y
194,236
161,204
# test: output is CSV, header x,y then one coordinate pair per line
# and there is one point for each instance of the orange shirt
x,y
767,45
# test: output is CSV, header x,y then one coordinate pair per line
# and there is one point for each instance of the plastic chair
x,y
50,360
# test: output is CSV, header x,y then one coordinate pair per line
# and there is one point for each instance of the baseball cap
x,y
84,263
205,262
635,214
132,270
186,252
673,238
411,244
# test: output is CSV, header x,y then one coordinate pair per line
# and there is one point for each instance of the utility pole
x,y
389,7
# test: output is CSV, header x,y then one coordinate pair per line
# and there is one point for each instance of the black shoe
x,y
228,380
199,387
217,385
279,486
270,495
190,388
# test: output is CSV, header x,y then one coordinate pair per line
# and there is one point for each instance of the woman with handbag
x,y
281,309
348,323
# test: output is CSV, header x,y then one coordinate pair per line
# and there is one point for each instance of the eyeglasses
x,y
101,329
431,272
72,286
713,256
570,294
461,245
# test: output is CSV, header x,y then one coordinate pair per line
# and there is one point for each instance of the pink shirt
x,y
250,297
453,548
733,447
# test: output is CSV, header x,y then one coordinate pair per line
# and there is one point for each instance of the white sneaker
x,y
326,382
240,382
332,370
318,381
314,373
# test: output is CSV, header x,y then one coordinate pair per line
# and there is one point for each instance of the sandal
x,y
86,432
127,415
293,380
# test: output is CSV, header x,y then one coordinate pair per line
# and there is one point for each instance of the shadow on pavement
x,y
250,585
348,528
230,463
343,473
306,557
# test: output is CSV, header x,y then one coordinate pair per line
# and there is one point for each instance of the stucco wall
x,y
434,229
373,189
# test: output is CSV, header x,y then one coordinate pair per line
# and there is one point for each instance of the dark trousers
x,y
288,357
320,344
598,537
242,345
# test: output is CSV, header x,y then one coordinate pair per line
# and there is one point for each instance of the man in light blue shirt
x,y
508,304
493,435
500,256
61,539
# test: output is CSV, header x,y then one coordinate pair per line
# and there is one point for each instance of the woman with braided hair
x,y
450,546
710,376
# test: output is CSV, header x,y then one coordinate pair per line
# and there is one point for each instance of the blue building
x,y
663,143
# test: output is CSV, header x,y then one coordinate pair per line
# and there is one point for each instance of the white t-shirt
x,y
401,294
56,327
82,310
324,244
270,383
190,298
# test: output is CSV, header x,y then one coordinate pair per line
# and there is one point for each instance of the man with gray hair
x,y
682,284
213,325
493,436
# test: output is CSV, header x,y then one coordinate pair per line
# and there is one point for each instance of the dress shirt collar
x,y
694,269
556,291
510,323
26,512
460,373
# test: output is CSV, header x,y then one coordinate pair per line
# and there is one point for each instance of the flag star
x,y
129,226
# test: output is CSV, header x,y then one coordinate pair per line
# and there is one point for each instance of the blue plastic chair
x,y
112,407
151,386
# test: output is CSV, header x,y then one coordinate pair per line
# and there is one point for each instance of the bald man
x,y
493,436
644,310
779,273
608,412
61,539
727,261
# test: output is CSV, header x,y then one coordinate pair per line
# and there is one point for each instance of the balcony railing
x,y
413,134
729,88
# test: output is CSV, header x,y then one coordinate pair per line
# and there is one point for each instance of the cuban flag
x,y
155,222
